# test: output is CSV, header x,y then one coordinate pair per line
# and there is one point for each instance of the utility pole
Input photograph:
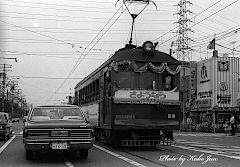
x,y
18,98
4,84
233,50
12,84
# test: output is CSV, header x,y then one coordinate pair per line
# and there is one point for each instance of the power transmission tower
x,y
183,49
183,41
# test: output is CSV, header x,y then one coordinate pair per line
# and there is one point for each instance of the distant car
x,y
5,126
15,119
57,128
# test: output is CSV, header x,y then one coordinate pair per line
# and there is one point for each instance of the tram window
x,y
147,79
126,79
108,76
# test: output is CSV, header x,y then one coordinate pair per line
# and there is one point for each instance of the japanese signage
x,y
192,79
205,94
145,96
223,99
193,93
202,103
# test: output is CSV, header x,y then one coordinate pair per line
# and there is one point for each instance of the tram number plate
x,y
59,145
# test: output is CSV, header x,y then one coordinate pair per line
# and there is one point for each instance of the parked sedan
x,y
5,126
57,128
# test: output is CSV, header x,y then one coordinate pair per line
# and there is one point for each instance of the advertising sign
x,y
204,80
193,78
217,79
202,103
226,82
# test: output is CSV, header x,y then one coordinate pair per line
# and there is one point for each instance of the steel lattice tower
x,y
183,40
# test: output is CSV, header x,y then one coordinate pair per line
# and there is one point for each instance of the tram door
x,y
107,97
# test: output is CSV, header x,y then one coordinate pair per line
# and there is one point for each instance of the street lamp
x,y
9,58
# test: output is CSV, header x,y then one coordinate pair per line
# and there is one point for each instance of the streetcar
x,y
132,99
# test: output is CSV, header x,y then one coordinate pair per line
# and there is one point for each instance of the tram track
x,y
136,151
144,158
212,148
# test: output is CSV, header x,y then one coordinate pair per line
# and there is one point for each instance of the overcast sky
x,y
57,39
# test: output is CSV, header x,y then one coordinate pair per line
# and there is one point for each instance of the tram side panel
x,y
98,112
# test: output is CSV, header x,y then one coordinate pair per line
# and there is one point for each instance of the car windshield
x,y
40,114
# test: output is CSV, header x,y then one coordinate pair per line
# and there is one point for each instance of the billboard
x,y
227,84
218,81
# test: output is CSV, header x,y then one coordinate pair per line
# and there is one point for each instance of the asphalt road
x,y
191,149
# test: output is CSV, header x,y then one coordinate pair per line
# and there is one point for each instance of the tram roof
x,y
140,55
137,55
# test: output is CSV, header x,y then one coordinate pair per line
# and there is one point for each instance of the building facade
x,y
217,90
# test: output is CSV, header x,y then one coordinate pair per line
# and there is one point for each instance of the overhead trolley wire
x,y
82,56
65,16
47,36
60,9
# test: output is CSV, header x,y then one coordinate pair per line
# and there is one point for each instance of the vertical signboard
x,y
193,83
204,83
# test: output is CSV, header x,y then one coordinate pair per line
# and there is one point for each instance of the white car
x,y
15,119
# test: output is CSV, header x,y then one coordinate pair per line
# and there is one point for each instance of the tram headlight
x,y
148,46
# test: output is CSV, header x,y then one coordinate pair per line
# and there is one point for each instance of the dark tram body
x,y
133,99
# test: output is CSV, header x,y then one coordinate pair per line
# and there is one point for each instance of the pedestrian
x,y
226,126
189,122
232,122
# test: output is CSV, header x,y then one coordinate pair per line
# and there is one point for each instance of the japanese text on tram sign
x,y
147,95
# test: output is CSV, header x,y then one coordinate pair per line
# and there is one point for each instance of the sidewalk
x,y
181,133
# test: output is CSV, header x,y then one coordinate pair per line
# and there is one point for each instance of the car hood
x,y
57,124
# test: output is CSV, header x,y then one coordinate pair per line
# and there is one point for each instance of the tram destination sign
x,y
146,96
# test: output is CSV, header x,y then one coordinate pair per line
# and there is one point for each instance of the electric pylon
x,y
183,41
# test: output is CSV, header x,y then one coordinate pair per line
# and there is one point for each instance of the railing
x,y
187,127
205,128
